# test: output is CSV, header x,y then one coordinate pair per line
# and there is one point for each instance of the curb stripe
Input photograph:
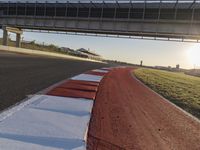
x,y
62,113
106,69
47,122
87,77
100,70
96,73
76,86
91,83
72,93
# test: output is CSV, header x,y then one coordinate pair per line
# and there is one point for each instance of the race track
x,y
21,75
129,116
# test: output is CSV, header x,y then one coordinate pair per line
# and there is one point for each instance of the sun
x,y
194,55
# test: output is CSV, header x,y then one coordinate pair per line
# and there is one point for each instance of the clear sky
x,y
129,50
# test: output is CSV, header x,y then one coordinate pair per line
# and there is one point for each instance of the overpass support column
x,y
18,40
17,31
5,37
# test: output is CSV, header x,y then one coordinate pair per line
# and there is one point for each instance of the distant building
x,y
193,72
141,62
169,68
89,54
81,53
162,67
177,66
67,50
71,52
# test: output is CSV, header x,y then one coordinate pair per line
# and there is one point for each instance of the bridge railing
x,y
173,10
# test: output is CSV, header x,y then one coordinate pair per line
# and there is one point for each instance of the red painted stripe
x,y
72,93
78,86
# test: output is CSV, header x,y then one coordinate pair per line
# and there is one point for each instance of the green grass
x,y
183,90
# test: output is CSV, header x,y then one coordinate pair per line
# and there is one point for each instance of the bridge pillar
x,y
5,37
18,33
18,40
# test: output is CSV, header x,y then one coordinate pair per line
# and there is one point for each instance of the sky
x,y
153,53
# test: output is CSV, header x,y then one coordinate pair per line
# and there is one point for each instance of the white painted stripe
x,y
15,108
47,122
100,70
87,77
106,68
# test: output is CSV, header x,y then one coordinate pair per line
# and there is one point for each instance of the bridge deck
x,y
166,19
170,10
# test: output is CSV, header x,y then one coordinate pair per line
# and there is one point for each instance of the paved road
x,y
127,115
21,75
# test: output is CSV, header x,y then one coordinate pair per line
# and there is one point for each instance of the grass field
x,y
183,90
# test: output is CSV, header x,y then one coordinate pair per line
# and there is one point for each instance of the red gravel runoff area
x,y
128,115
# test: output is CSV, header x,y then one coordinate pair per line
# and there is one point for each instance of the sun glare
x,y
194,55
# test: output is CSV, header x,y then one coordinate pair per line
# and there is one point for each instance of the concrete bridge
x,y
179,19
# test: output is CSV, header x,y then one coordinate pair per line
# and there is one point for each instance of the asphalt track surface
x,y
22,75
128,115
